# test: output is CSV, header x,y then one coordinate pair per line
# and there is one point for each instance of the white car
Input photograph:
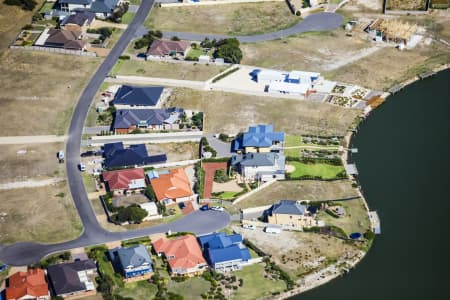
x,y
217,208
247,226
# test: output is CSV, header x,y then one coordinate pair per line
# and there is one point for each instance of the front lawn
x,y
227,195
127,17
292,141
191,289
322,170
255,285
137,290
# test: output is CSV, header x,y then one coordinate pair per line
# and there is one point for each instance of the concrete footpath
x,y
34,139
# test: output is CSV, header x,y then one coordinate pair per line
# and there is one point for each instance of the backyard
x,y
300,190
231,113
166,70
232,19
322,170
48,105
44,214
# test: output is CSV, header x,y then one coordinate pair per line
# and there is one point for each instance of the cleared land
x,y
300,190
232,113
406,4
325,171
166,70
356,219
45,215
233,19
176,151
42,89
22,162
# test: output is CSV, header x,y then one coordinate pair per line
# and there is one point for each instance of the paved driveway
x,y
323,21
223,149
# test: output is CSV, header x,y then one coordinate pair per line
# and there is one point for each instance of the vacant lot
x,y
233,19
44,214
22,162
40,90
176,151
166,70
406,4
12,19
356,219
231,113
325,171
300,190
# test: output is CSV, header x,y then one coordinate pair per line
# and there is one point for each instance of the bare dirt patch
x,y
231,113
37,161
175,151
40,90
300,190
236,19
44,214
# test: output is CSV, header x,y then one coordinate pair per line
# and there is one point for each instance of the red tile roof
x,y
30,283
165,47
120,179
173,185
185,251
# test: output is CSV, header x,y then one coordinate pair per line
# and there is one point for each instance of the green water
x,y
404,168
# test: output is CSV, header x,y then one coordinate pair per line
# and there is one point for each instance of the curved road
x,y
317,22
199,222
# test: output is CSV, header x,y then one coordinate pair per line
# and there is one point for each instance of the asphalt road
x,y
317,22
28,252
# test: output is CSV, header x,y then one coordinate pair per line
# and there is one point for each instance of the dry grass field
x,y
38,162
44,214
231,113
176,151
406,4
40,90
166,70
233,19
300,190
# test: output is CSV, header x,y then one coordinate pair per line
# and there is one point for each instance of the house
x,y
259,166
259,138
172,186
61,38
129,97
27,285
123,181
152,211
297,83
73,280
269,76
289,214
117,156
301,89
391,30
101,8
224,252
183,255
127,120
168,48
133,263
80,21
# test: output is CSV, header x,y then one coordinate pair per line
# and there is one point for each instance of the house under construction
x,y
391,31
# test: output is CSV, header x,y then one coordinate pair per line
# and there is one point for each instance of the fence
x,y
175,163
217,2
55,50
261,187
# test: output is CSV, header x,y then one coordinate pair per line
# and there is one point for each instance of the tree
x,y
150,193
230,53
148,39
24,4
131,214
175,38
197,120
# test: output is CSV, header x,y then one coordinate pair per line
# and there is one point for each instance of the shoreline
x,y
319,276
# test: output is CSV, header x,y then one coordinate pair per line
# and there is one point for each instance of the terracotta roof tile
x,y
30,283
120,179
173,185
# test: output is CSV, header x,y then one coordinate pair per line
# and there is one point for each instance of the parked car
x,y
3,267
96,172
82,167
249,226
60,156
88,153
217,208
204,207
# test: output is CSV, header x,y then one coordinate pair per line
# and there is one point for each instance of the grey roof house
x,y
80,18
137,97
102,8
73,279
259,166
116,156
132,261
127,120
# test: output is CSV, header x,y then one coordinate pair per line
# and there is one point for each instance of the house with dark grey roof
x,y
60,38
70,280
137,97
80,21
259,138
116,156
127,120
290,214
259,166
101,8
132,262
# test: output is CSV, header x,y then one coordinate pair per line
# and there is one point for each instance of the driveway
x,y
223,149
323,21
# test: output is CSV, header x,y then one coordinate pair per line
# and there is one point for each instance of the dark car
x,y
204,207
88,153
3,267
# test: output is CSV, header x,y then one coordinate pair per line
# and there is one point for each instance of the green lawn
x,y
137,290
127,18
292,141
191,289
255,285
89,183
46,6
325,171
356,219
227,195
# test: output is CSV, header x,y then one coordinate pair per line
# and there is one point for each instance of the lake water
x,y
404,168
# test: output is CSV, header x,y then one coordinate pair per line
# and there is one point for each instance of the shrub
x,y
131,214
24,4
369,235
124,57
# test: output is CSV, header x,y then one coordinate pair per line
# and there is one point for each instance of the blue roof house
x,y
224,252
260,138
132,262
129,97
116,156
